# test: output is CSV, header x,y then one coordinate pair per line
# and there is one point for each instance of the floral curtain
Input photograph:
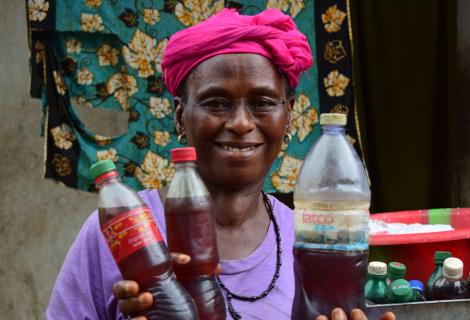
x,y
107,54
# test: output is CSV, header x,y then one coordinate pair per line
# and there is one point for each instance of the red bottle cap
x,y
183,154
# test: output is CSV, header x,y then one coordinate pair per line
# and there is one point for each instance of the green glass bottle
x,y
400,291
439,257
396,270
376,289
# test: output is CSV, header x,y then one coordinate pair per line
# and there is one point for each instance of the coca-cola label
x,y
130,231
344,230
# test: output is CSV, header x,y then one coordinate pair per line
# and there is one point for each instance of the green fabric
x,y
107,54
405,66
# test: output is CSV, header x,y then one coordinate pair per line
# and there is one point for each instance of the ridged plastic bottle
x,y
190,222
376,289
332,199
137,246
451,284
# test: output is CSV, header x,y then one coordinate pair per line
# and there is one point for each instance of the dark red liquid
x,y
326,280
444,289
150,267
190,226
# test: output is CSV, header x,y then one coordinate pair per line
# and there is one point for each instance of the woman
x,y
232,78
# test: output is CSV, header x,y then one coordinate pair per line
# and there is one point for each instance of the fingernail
x,y
142,299
338,314
183,258
356,314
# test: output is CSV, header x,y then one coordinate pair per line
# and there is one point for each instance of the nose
x,y
240,120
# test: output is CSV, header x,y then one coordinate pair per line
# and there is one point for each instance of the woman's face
x,y
235,112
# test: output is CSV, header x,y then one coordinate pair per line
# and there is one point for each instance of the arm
x,y
83,289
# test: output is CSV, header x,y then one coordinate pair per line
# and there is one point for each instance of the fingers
x,y
136,304
125,289
218,270
321,317
358,314
139,318
339,314
388,316
180,258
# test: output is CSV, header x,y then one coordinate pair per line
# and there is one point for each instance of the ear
x,y
291,103
178,115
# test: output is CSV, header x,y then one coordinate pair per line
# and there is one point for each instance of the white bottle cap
x,y
377,268
453,268
333,119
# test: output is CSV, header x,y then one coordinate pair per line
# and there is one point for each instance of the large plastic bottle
x,y
137,246
439,257
451,285
190,223
375,289
332,200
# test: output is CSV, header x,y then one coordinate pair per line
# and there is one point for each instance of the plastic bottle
x,y
418,290
332,200
137,246
439,257
190,222
451,284
376,290
396,270
400,291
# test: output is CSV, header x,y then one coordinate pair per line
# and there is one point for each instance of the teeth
x,y
235,149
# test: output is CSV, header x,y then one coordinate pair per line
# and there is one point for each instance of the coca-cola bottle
x,y
190,223
137,246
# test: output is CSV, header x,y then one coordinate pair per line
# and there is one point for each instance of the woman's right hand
x,y
131,301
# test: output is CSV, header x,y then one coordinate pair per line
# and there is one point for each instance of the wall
x,y
39,218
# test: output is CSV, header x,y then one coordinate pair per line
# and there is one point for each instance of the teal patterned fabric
x,y
107,54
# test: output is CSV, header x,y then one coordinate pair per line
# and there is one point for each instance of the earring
x,y
287,138
182,138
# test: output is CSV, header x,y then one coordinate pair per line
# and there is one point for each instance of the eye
x,y
263,105
216,105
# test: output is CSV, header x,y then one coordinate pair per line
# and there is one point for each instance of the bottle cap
x,y
440,256
101,167
377,268
183,154
453,268
397,270
333,119
417,285
400,290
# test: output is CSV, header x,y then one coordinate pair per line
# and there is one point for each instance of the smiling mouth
x,y
238,148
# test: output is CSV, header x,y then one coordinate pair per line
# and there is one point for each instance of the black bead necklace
x,y
230,295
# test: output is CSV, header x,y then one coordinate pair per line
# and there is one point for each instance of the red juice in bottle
x,y
451,285
137,246
332,199
190,223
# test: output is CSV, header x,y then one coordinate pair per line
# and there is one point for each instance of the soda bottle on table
x,y
375,289
396,270
439,257
190,222
332,199
418,290
400,291
451,285
137,246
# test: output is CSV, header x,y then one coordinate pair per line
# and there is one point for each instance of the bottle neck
x,y
184,165
107,178
333,130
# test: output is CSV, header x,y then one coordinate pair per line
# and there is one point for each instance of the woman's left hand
x,y
356,314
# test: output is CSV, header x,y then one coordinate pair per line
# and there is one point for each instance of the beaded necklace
x,y
230,295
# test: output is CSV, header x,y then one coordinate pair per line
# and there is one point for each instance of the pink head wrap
x,y
270,33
